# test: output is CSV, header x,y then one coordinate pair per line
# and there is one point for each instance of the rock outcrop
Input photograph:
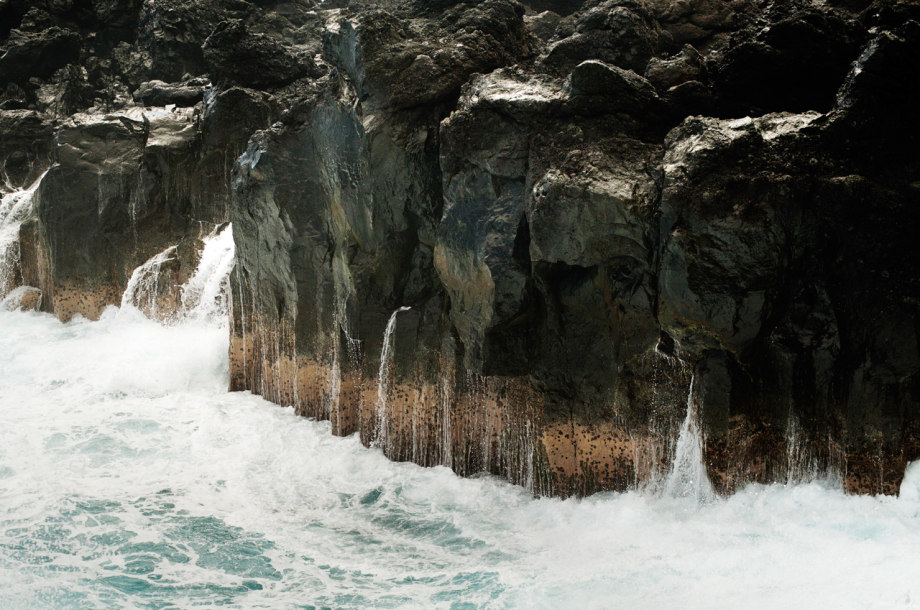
x,y
583,205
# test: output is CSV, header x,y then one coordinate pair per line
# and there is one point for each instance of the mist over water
x,y
130,478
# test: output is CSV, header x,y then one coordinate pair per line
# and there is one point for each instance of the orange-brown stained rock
x,y
497,425
881,473
70,300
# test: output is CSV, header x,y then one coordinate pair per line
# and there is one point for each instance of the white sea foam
x,y
128,478
15,208
204,297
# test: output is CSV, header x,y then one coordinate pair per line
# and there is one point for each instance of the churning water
x,y
130,478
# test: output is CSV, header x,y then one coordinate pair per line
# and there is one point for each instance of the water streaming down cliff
x,y
203,298
383,378
15,207
687,477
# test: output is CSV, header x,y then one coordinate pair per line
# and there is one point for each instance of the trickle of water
x,y
344,290
529,448
206,294
801,465
15,207
144,286
446,444
688,478
383,381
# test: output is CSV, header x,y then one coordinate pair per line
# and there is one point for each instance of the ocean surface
x,y
130,478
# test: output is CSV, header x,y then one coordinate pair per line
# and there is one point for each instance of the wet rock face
x,y
583,204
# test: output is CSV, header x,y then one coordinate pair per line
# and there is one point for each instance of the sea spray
x,y
688,478
22,298
383,380
15,207
130,478
143,289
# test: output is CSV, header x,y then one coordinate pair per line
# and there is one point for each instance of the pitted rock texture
x,y
585,204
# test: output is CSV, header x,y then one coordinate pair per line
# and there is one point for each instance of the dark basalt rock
x,y
582,210
561,7
698,22
686,66
401,63
596,87
173,32
794,63
766,274
158,93
621,33
543,25
237,56
553,255
68,91
877,99
25,148
28,55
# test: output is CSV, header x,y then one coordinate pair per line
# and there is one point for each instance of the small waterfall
x,y
383,379
144,286
801,464
15,207
529,451
205,296
688,478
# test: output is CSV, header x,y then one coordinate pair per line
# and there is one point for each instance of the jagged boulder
x,y
39,54
399,63
547,242
715,289
158,93
794,63
103,207
622,33
68,91
874,119
595,87
25,148
173,32
686,66
767,283
235,55
543,25
697,22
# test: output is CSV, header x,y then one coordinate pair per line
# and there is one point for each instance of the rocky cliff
x,y
583,205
